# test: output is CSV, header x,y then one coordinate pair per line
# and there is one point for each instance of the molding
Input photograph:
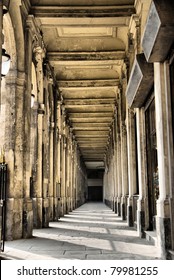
x,y
87,11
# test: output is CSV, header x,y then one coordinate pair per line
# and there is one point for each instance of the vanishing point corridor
x,y
90,232
87,129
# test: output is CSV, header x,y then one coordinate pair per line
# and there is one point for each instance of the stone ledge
x,y
151,236
171,254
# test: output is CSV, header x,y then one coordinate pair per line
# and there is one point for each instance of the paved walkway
x,y
90,232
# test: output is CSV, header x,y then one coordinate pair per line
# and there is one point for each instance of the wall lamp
x,y
32,100
5,63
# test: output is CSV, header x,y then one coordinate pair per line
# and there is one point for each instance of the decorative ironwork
x,y
3,187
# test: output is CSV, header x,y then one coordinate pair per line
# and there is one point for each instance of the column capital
x,y
131,113
39,52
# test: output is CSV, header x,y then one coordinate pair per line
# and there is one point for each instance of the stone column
x,y
45,153
71,171
38,186
27,211
112,182
15,192
58,161
119,176
51,156
163,222
63,171
124,168
119,169
67,173
142,204
73,174
115,167
131,164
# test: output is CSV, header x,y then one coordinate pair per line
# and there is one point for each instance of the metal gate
x,y
3,187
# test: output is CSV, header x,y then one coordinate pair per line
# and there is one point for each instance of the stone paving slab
x,y
91,232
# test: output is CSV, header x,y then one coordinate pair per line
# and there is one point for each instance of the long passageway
x,y
92,231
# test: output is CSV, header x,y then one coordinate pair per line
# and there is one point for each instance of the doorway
x,y
95,184
95,193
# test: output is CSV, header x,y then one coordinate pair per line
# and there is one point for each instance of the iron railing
x,y
3,187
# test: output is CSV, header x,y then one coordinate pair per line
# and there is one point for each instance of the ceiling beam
x,y
91,116
88,124
94,133
88,83
102,139
87,101
82,11
51,22
88,56
91,107
91,129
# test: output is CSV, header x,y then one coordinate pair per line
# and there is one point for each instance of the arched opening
x,y
7,112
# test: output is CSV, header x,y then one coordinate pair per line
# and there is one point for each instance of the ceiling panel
x,y
87,44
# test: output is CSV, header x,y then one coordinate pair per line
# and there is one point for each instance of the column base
x,y
130,216
141,223
45,213
28,219
37,212
51,211
14,214
118,207
113,205
116,211
61,207
123,211
164,236
56,209
123,208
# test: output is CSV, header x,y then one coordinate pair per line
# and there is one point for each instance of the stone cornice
x,y
85,11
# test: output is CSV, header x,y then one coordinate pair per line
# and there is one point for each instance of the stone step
x,y
171,255
151,236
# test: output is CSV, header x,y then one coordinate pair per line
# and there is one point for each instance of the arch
x,y
9,40
7,113
15,14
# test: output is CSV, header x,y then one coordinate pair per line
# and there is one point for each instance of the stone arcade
x,y
87,112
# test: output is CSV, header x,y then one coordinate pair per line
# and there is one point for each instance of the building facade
x,y
88,102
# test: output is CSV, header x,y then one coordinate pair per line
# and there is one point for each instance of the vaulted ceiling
x,y
86,42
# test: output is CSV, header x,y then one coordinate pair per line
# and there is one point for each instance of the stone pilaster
x,y
71,171
52,150
27,211
131,165
124,168
118,156
15,193
115,167
51,171
58,161
163,219
38,186
142,204
119,175
73,175
64,165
